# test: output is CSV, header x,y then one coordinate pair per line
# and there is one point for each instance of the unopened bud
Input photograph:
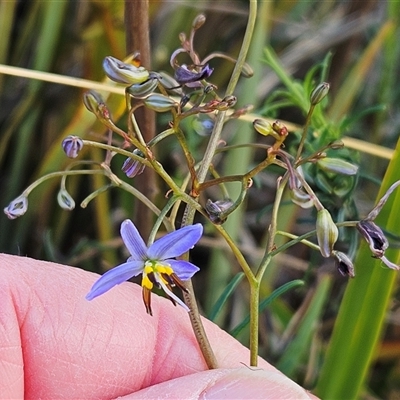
x,y
226,103
17,207
336,145
132,167
344,264
327,232
263,127
72,145
279,128
159,102
92,100
142,90
182,37
169,83
247,71
198,22
65,200
121,72
319,93
337,166
216,209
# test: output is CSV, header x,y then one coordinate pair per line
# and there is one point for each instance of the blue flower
x,y
156,263
185,76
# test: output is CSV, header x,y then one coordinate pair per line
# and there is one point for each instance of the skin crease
x,y
57,345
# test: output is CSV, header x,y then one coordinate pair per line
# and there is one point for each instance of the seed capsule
x,y
327,232
159,102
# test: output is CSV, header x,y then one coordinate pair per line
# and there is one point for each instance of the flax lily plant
x,y
310,168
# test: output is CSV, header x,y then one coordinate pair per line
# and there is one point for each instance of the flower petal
x,y
175,243
114,277
184,270
390,264
133,241
172,295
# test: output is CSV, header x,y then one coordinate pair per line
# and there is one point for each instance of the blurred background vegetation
x,y
352,45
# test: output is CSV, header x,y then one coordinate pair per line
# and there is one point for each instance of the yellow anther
x,y
164,269
148,269
146,282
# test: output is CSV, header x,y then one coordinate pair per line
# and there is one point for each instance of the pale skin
x,y
54,344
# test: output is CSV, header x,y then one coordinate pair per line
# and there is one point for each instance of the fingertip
x,y
239,383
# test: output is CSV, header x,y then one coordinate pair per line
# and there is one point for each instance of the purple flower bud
x,y
133,167
184,75
17,207
216,209
374,236
344,264
72,145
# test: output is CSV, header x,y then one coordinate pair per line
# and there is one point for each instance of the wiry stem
x,y
207,159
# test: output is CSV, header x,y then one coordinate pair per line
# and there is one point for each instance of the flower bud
x,y
198,22
65,200
337,166
319,93
92,100
159,102
72,145
17,207
327,232
216,209
280,129
247,71
336,145
374,236
301,198
169,83
226,103
121,72
344,264
263,127
132,167
184,75
142,90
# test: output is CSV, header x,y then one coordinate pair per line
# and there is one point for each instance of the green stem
x,y
190,298
305,131
162,216
58,174
254,322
